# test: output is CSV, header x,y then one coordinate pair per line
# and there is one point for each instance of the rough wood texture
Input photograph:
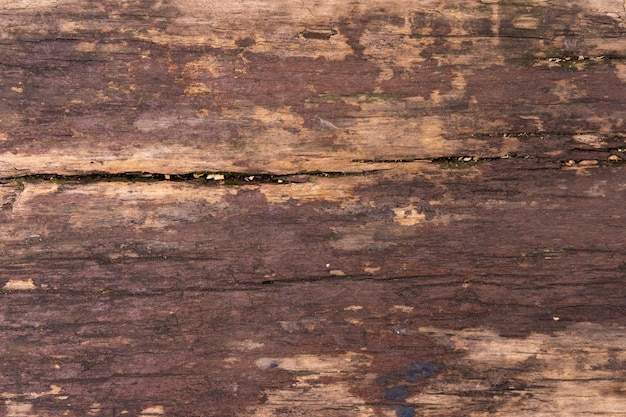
x,y
312,209
282,86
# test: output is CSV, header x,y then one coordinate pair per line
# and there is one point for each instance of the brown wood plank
x,y
382,208
277,87
518,218
327,296
336,348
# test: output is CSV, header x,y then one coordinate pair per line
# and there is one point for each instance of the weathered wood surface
x,y
421,210
313,298
282,86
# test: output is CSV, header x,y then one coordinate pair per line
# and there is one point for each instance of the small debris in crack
x,y
208,178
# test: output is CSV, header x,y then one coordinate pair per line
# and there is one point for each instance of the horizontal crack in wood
x,y
238,178
227,178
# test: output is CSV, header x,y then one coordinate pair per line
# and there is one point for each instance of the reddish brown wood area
x,y
279,208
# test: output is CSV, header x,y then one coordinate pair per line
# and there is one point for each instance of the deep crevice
x,y
221,178
239,178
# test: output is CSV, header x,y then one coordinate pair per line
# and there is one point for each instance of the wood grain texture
x,y
319,297
381,208
282,87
